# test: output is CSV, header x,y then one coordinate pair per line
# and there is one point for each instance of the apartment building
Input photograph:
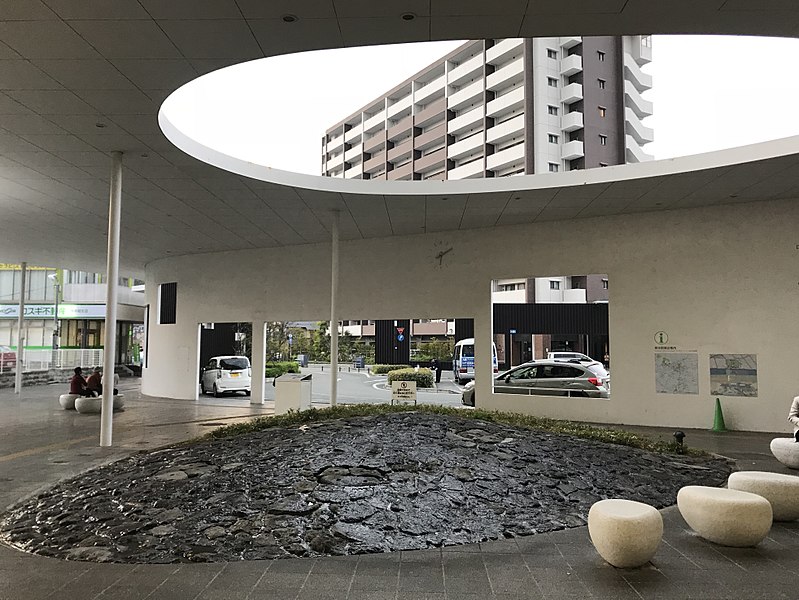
x,y
496,108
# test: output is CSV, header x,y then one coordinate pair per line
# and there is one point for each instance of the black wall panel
x,y
389,350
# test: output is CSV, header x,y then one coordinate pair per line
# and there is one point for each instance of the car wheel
x,y
217,393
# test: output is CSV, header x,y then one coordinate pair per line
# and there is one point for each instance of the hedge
x,y
276,369
422,377
382,369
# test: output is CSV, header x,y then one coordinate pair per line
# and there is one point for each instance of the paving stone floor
x,y
40,445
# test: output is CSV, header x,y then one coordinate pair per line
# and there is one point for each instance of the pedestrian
x,y
95,382
77,384
606,360
793,417
436,369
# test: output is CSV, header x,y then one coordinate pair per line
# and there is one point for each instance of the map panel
x,y
676,373
733,375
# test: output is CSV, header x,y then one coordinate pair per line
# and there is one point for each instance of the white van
x,y
463,360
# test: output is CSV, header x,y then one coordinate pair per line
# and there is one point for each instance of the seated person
x,y
77,385
95,383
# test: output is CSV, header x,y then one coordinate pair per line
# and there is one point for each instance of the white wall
x,y
718,280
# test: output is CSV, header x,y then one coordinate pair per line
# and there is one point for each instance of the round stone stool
x,y
625,533
119,401
786,450
89,405
725,517
782,491
67,401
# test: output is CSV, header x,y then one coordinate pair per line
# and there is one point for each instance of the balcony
x,y
400,129
466,146
435,87
375,163
505,158
96,293
353,153
431,328
354,134
470,170
506,103
473,92
403,172
511,73
570,41
400,151
430,162
572,150
430,113
499,53
335,143
334,162
504,131
632,72
374,122
632,99
634,152
375,142
571,65
469,119
355,172
434,136
642,54
571,121
571,93
399,106
633,126
471,69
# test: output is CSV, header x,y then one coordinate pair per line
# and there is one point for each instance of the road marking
x,y
41,449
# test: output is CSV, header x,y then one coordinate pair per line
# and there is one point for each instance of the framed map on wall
x,y
676,373
733,375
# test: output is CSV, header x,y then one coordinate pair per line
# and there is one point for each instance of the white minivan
x,y
226,374
463,360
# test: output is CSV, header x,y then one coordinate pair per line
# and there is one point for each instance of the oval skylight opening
x,y
707,93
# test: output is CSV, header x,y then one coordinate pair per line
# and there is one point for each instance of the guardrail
x,y
42,360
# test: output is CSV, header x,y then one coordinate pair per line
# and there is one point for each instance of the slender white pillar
x,y
333,313
111,281
258,362
20,330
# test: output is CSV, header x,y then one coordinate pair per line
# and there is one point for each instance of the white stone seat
x,y
67,401
624,532
782,491
89,405
786,450
726,517
119,401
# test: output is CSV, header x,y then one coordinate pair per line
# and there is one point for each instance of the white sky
x,y
709,92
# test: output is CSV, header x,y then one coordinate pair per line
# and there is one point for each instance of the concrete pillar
x,y
258,362
111,279
20,330
334,312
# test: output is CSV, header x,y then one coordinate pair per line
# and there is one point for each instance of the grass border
x,y
580,430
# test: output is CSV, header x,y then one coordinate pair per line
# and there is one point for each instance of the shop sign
x,y
45,311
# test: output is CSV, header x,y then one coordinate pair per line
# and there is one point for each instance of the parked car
x,y
226,374
549,378
571,357
8,358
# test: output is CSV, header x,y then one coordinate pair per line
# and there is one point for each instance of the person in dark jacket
x,y
77,385
95,382
436,366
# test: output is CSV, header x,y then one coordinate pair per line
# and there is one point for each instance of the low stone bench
x,y
624,532
67,401
726,517
782,491
786,450
94,405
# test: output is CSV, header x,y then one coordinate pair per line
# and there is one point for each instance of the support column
x,y
20,330
258,362
111,280
334,313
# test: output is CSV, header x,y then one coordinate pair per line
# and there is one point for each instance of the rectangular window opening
x,y
167,303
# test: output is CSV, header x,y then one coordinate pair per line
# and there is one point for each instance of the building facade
x,y
495,108
78,297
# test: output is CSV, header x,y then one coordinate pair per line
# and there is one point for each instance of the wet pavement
x,y
41,444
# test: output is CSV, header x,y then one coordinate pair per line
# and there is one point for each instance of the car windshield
x,y
233,364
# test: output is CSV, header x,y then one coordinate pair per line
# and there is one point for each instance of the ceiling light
x,y
289,18
408,16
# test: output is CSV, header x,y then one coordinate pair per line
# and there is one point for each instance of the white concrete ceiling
x,y
82,78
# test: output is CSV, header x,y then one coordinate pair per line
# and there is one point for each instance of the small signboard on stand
x,y
403,392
